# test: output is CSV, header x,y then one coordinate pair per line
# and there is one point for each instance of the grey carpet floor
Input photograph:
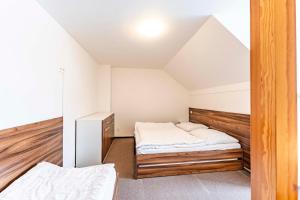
x,y
233,185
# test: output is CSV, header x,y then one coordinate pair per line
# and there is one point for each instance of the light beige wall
x,y
228,98
146,95
104,88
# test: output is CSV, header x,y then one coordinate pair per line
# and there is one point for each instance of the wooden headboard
x,y
236,125
23,147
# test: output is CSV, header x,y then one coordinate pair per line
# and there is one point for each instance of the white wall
x,y
33,48
228,98
146,95
30,86
104,88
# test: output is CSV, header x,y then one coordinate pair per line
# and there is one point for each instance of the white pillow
x,y
189,126
153,125
211,136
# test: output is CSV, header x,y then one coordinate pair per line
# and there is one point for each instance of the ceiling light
x,y
151,28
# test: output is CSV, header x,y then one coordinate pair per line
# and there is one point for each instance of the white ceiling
x,y
212,57
104,27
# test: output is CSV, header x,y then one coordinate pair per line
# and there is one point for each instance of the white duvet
x,y
50,182
163,135
167,138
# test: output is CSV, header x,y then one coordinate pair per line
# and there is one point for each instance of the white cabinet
x,y
89,139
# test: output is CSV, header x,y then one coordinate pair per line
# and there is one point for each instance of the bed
x,y
30,167
49,181
156,154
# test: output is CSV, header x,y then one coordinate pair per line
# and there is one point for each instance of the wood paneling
x,y
234,124
23,147
167,164
273,100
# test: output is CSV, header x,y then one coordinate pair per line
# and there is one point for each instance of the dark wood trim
x,y
273,100
235,124
23,147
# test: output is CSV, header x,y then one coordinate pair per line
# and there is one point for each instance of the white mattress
x,y
50,182
189,149
167,138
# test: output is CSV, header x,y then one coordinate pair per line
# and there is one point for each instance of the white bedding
x,y
189,126
190,149
163,136
50,182
166,138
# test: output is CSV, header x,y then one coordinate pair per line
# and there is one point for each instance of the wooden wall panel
x,y
273,100
23,147
236,125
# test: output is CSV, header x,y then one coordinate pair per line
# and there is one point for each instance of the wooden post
x,y
273,100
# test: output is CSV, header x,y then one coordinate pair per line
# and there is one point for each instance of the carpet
x,y
233,185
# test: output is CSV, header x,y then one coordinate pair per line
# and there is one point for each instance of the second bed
x,y
163,149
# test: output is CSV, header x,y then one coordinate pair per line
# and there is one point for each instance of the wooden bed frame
x,y
168,164
22,147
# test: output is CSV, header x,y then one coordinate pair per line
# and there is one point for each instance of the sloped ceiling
x,y
104,27
212,57
237,20
198,50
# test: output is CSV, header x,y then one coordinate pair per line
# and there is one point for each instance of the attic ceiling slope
x,y
212,57
105,28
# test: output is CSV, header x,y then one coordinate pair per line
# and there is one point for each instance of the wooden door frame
x,y
273,100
